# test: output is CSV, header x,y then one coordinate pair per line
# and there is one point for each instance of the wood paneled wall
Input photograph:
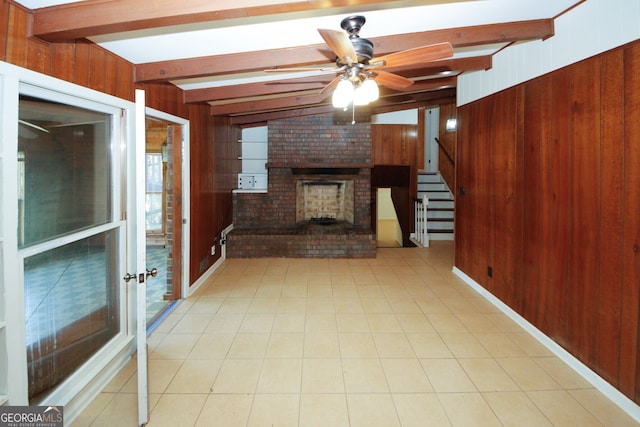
x,y
212,141
551,178
447,146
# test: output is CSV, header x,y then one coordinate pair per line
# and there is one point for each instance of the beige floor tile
x,y
264,305
320,287
352,322
317,345
500,345
531,346
288,323
406,376
488,375
446,323
603,409
235,305
364,376
370,291
357,345
477,322
562,373
237,376
270,287
464,345
205,305
93,410
372,410
403,305
415,323
289,345
420,410
192,323
122,377
528,374
320,305
447,376
274,410
323,410
376,305
429,346
344,290
431,305
292,305
295,287
225,323
177,410
160,373
280,376
460,305
383,323
504,323
257,323
562,409
249,346
168,323
175,346
229,410
348,304
211,346
321,322
468,410
516,409
122,410
322,376
195,376
393,346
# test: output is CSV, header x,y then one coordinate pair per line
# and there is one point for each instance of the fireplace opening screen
x,y
325,201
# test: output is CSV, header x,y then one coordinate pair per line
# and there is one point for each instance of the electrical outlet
x,y
490,271
213,250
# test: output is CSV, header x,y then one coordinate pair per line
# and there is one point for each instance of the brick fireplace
x,y
318,200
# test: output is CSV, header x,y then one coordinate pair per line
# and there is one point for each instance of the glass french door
x,y
71,237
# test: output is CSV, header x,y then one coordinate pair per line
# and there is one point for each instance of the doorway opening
x,y
389,233
162,214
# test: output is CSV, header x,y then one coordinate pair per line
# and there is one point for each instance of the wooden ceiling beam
x,y
320,54
98,17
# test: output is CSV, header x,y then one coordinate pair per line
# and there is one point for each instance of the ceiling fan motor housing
x,y
363,47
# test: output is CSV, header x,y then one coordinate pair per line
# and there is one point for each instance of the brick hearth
x,y
307,149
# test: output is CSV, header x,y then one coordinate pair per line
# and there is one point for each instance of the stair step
x,y
432,186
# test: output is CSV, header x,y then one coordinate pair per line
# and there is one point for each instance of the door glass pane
x,y
154,182
65,169
71,307
65,185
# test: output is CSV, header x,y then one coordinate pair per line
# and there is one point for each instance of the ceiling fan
x,y
357,67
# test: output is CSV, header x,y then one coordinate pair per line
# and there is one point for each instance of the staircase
x,y
440,211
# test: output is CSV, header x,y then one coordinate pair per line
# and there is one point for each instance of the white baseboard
x,y
590,376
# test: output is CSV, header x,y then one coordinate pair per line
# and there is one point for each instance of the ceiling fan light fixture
x,y
343,95
366,92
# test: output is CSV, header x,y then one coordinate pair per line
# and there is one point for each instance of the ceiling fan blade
x,y
415,56
339,42
392,81
333,83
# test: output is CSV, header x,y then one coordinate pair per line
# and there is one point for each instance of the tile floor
x,y
393,341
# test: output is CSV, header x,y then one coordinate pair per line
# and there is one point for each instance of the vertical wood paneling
x,y
63,60
4,21
38,56
631,234
611,208
585,218
81,66
507,211
532,189
16,43
97,68
558,209
568,171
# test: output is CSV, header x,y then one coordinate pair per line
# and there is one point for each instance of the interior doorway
x,y
163,219
389,233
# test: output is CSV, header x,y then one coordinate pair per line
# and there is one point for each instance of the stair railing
x,y
421,208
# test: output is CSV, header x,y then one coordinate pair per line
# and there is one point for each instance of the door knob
x,y
129,276
153,272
